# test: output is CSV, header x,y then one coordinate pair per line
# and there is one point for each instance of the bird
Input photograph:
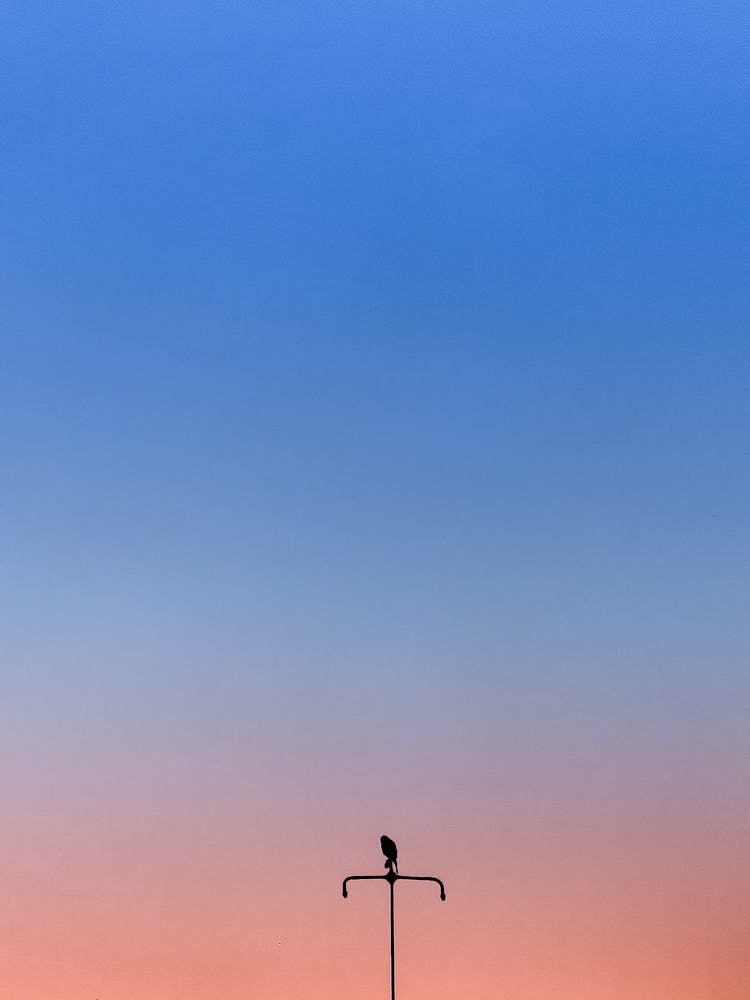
x,y
391,853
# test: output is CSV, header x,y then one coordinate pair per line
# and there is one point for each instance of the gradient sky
x,y
374,436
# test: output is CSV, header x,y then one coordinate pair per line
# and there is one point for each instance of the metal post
x,y
393,950
391,878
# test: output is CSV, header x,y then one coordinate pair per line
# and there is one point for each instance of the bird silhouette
x,y
391,853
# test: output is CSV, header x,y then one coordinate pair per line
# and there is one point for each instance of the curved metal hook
x,y
359,878
425,878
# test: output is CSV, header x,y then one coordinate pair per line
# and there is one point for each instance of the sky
x,y
374,422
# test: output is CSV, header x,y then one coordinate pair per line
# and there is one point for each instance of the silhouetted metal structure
x,y
391,878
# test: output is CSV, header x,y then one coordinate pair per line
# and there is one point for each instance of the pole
x,y
391,878
393,955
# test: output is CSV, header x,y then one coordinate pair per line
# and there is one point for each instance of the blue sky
x,y
443,301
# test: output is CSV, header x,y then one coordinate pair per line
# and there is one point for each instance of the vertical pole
x,y
391,878
393,960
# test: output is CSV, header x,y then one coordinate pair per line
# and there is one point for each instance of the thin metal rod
x,y
425,878
362,878
393,955
391,878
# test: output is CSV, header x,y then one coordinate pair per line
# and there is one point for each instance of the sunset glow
x,y
375,397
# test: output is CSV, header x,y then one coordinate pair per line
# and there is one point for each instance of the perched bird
x,y
391,853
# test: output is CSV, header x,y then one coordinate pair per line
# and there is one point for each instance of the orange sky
x,y
543,902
